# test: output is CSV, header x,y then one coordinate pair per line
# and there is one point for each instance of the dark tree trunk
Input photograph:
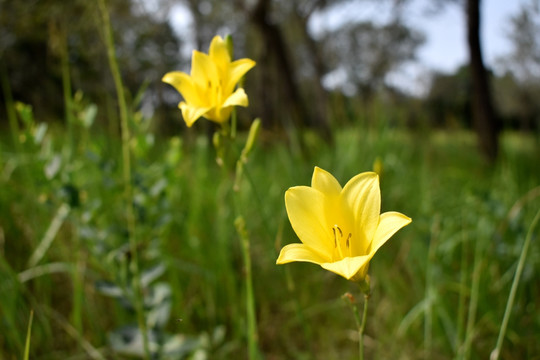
x,y
484,119
275,46
320,107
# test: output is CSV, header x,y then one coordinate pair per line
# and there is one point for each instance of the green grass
x,y
439,287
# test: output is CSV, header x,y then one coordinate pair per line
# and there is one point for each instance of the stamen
x,y
348,243
337,243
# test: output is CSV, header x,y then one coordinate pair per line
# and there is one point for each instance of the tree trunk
x,y
320,112
484,119
274,46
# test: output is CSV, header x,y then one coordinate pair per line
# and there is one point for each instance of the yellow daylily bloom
x,y
340,228
210,89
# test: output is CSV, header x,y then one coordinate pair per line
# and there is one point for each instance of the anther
x,y
348,238
337,242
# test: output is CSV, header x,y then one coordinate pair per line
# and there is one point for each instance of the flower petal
x,y
219,54
237,69
363,197
349,267
203,70
183,83
299,252
238,98
219,115
191,113
306,211
389,223
325,182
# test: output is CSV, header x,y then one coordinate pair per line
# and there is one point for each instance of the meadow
x,y
119,242
440,286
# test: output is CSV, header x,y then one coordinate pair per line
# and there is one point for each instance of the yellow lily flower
x,y
209,90
340,228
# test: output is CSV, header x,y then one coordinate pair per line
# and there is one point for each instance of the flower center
x,y
341,243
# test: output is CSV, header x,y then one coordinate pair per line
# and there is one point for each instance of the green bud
x,y
216,140
230,45
252,136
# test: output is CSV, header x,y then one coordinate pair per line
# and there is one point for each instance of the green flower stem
x,y
222,141
126,160
227,135
250,298
517,276
360,332
245,242
360,321
362,327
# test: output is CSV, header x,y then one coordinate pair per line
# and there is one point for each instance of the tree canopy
x,y
299,71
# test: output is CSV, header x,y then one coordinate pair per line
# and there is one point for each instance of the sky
x,y
446,46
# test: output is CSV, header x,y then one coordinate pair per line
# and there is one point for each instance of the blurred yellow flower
x,y
209,90
340,228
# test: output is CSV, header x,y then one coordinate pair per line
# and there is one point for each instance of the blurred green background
x,y
463,163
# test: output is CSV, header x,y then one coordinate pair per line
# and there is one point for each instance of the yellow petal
x,y
183,83
238,98
389,223
363,197
191,113
306,211
299,252
203,70
219,54
237,69
219,115
349,267
325,182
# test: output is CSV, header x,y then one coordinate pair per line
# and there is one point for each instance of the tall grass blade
x,y
90,350
50,234
510,303
463,291
430,287
28,335
37,271
475,293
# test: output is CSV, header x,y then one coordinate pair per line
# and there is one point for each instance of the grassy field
x,y
439,287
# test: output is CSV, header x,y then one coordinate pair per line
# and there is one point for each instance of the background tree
x,y
518,90
484,119
449,99
44,41
297,63
367,53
